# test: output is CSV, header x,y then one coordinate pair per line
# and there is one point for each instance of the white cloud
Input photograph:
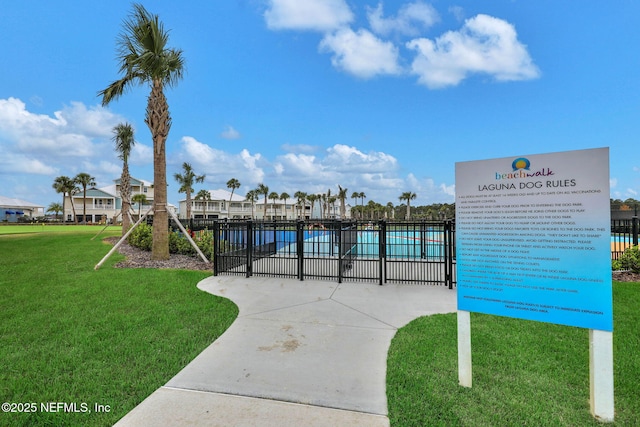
x,y
141,154
301,164
484,45
361,53
39,144
221,166
318,15
18,163
349,159
230,133
411,18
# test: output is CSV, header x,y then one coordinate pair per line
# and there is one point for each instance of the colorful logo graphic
x,y
521,163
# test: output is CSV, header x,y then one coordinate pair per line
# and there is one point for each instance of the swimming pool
x,y
399,244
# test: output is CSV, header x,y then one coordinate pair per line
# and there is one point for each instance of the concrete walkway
x,y
309,353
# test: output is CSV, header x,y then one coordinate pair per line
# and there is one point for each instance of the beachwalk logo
x,y
521,168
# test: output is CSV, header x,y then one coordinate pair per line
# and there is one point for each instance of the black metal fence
x,y
407,252
624,234
403,252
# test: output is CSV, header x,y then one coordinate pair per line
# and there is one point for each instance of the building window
x,y
144,189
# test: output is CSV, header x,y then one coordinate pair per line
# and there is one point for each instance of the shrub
x,y
630,260
141,237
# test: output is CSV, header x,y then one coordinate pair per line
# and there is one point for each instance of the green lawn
x,y
524,372
56,228
110,337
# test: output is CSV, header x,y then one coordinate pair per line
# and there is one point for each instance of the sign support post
x,y
601,374
465,377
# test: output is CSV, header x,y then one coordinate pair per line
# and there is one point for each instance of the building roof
x,y
135,181
17,203
97,192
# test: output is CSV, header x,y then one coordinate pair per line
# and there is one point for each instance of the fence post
x,y
634,222
448,254
338,226
382,250
249,248
216,247
300,248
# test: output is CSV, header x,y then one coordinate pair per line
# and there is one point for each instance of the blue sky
x,y
378,97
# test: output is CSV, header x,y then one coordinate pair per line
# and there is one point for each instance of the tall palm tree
x,y
408,196
362,196
84,180
252,196
203,195
65,185
55,208
145,59
301,196
273,196
123,138
355,196
285,196
264,191
140,199
233,184
342,195
186,181
313,198
331,202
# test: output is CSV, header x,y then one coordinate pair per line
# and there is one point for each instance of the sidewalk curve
x,y
300,353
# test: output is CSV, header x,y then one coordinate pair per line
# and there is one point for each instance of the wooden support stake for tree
x,y
195,246
122,239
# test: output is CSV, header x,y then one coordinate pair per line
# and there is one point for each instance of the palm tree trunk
x,y
84,204
159,123
73,209
125,195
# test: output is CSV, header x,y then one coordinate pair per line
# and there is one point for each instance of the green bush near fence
x,y
142,237
630,260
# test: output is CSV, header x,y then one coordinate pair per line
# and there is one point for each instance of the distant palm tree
x,y
391,210
203,195
342,195
285,196
140,199
301,196
252,196
123,138
145,59
66,186
273,196
331,202
186,181
84,180
313,198
362,196
233,184
55,208
408,196
264,191
355,196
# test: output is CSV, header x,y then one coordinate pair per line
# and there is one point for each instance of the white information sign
x,y
533,238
